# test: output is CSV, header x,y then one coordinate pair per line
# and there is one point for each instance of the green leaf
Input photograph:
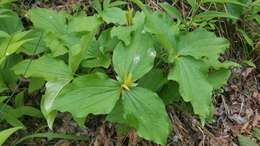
x,y
246,141
3,98
218,78
48,20
6,1
209,15
234,9
2,85
193,4
82,23
135,60
145,111
256,132
117,3
117,114
114,15
93,93
53,89
56,72
172,11
97,5
28,111
153,80
9,78
122,33
11,23
170,92
44,67
11,116
35,46
202,44
76,54
236,2
6,133
56,46
19,100
193,85
164,29
35,84
96,58
10,45
4,34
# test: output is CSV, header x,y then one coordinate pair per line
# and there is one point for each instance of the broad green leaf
x,y
170,92
19,100
96,58
145,111
44,67
235,9
246,141
193,85
9,114
97,5
82,23
256,133
6,2
105,42
2,85
3,98
236,2
122,33
6,133
53,89
133,61
218,78
165,32
139,3
93,93
117,3
9,78
106,4
4,34
172,11
27,111
114,15
35,46
10,45
116,115
202,44
11,23
35,84
209,15
99,54
153,80
76,54
48,20
56,46
56,72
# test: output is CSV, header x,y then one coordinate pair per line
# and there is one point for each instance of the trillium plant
x,y
126,65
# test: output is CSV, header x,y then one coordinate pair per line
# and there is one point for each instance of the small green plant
x,y
113,70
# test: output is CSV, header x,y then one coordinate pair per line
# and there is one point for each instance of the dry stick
x,y
20,81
